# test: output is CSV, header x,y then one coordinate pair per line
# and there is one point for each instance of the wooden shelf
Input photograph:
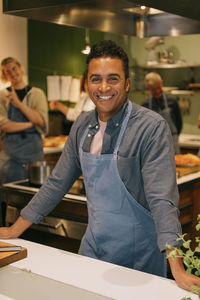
x,y
168,66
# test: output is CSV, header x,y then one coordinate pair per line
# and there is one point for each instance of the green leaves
x,y
198,227
186,244
191,259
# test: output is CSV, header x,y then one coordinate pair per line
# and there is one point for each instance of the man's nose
x,y
104,86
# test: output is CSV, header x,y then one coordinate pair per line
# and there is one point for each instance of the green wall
x,y
185,48
56,49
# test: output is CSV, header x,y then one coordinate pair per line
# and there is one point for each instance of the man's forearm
x,y
176,264
16,229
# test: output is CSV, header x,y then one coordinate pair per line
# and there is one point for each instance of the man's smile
x,y
104,98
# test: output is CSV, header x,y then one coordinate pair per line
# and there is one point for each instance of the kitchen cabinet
x,y
189,204
63,228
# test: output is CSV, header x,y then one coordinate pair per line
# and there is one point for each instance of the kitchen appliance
x,y
150,45
166,57
63,228
38,171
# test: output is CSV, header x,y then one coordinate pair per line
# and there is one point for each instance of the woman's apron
x,y
19,147
165,113
119,230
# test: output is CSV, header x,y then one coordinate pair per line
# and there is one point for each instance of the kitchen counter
x,y
50,150
49,271
188,178
185,141
189,141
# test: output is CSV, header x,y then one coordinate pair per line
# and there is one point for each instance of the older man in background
x,y
166,105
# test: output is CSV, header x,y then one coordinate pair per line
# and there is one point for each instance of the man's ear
x,y
127,84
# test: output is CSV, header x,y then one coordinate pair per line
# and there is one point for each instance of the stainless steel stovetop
x,y
24,185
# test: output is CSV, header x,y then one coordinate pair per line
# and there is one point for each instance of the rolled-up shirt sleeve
x,y
66,171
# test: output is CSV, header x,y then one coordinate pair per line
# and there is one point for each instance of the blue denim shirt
x,y
145,163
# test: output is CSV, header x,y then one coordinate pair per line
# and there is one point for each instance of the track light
x,y
87,48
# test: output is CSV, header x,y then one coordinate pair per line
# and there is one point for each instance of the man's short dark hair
x,y
108,48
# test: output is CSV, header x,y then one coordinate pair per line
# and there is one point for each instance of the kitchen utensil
x,y
8,257
10,248
38,171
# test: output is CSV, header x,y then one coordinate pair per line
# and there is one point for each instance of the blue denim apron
x,y
165,113
120,230
19,147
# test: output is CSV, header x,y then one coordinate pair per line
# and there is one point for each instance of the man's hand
x,y
184,280
5,233
15,230
187,281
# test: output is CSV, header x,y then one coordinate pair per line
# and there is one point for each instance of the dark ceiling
x,y
110,16
185,8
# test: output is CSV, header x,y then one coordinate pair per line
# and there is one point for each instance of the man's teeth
x,y
105,97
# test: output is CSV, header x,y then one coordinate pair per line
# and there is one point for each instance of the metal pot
x,y
38,171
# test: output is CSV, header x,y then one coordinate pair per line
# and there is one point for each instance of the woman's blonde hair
x,y
4,62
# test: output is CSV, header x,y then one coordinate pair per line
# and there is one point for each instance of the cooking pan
x,y
38,171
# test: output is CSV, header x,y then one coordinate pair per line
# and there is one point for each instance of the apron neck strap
x,y
164,98
124,125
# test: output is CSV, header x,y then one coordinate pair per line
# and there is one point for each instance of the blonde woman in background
x,y
23,118
84,104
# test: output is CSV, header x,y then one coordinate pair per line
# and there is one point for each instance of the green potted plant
x,y
191,258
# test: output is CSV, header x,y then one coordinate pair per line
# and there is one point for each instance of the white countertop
x,y
188,177
91,275
189,140
50,150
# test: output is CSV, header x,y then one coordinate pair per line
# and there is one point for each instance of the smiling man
x,y
125,155
107,85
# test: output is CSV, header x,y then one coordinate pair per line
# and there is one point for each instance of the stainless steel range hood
x,y
116,16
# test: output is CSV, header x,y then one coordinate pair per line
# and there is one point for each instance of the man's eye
x,y
95,79
113,79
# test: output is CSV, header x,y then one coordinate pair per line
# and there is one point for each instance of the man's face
x,y
107,86
13,73
156,89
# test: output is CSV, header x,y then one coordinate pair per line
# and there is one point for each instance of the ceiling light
x,y
87,48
